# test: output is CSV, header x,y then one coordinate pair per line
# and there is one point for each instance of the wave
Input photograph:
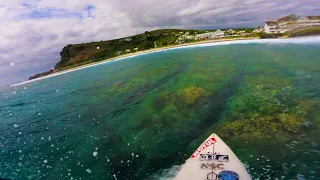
x,y
297,40
166,174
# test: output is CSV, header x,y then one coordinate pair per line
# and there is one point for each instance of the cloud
x,y
33,32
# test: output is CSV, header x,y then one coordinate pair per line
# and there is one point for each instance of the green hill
x,y
74,55
78,53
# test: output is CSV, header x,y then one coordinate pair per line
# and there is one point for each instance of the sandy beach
x,y
153,50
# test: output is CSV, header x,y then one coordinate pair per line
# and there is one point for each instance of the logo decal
x,y
228,175
214,157
211,166
203,146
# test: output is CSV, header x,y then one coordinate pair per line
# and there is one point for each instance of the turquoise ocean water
x,y
141,117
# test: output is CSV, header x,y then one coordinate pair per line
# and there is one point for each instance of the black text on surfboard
x,y
214,157
212,166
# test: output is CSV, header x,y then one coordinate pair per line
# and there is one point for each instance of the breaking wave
x,y
167,174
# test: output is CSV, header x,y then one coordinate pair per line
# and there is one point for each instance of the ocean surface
x,y
141,117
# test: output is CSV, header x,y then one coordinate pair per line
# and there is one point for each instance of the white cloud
x,y
33,32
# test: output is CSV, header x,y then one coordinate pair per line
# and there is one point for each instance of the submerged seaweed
x,y
139,117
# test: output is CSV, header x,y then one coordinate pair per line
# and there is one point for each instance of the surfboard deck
x,y
213,160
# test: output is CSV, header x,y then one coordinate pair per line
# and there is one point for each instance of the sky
x,y
33,32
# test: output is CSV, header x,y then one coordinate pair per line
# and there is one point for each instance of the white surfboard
x,y
213,160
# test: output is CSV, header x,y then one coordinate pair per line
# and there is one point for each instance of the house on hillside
x,y
188,37
286,19
118,53
135,49
257,30
127,50
210,35
128,39
204,36
313,18
219,34
231,32
308,21
271,27
290,23
184,38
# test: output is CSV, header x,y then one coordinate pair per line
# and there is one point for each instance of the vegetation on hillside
x,y
291,17
81,54
264,35
305,32
95,51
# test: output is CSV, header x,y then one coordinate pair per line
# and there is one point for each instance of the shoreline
x,y
150,51
56,73
121,57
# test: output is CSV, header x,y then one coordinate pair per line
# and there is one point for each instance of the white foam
x,y
167,174
298,40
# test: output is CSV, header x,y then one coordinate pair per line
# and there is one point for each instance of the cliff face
x,y
68,53
79,53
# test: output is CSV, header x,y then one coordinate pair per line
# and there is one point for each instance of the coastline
x,y
56,73
121,57
152,50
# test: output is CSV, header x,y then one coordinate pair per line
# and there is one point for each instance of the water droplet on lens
x,y
95,153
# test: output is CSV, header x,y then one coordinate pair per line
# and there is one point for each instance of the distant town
x,y
81,54
281,26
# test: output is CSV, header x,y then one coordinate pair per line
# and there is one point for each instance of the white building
x,y
257,30
231,31
210,35
271,27
184,38
127,50
219,33
135,49
204,35
291,23
187,37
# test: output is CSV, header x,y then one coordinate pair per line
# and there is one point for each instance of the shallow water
x,y
141,117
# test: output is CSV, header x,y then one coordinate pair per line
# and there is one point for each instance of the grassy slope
x,y
305,32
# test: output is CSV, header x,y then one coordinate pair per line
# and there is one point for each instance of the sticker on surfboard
x,y
228,175
203,146
223,175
